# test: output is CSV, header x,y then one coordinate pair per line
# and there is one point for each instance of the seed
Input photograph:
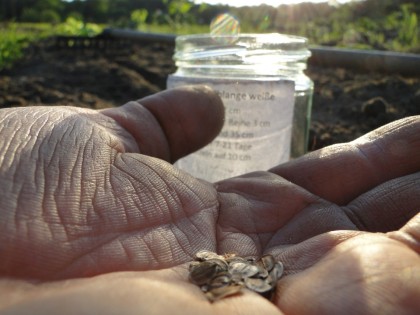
x,y
221,276
232,259
229,256
193,264
245,269
258,285
275,273
204,255
236,278
251,260
222,292
222,265
262,272
277,270
268,262
201,274
220,280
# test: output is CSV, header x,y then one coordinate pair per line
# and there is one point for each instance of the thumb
x,y
173,123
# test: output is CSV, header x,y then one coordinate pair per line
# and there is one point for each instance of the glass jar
x,y
267,99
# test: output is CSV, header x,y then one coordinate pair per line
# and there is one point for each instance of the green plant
x,y
15,37
409,29
178,12
139,17
12,44
76,27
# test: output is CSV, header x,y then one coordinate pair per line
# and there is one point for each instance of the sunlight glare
x,y
225,25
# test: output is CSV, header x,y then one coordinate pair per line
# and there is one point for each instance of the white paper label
x,y
257,131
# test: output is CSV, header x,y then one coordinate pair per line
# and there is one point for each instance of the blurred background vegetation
x,y
366,24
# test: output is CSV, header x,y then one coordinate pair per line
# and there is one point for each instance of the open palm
x,y
87,193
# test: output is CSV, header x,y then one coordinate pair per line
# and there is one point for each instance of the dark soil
x,y
346,104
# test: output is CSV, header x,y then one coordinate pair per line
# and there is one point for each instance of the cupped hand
x,y
87,193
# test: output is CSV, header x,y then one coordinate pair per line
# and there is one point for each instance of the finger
x,y
172,123
388,206
342,172
303,255
166,291
409,234
365,274
253,207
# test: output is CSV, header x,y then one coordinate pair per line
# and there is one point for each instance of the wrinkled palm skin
x,y
95,219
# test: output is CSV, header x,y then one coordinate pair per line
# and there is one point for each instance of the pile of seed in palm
x,y
219,276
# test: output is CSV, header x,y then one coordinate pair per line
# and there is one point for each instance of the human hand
x,y
247,215
86,192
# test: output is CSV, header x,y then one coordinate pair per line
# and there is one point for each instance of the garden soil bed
x,y
346,104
